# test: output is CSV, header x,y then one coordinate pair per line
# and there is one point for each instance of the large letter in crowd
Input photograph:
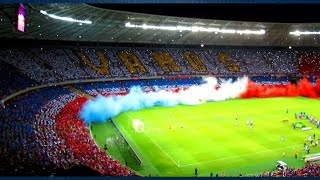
x,y
166,62
131,61
104,62
195,61
231,66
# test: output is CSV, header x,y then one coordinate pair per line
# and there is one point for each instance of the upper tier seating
x,y
55,64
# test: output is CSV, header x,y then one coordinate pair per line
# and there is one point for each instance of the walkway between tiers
x,y
80,92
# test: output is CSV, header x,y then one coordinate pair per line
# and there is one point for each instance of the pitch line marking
x,y
162,150
210,160
238,156
156,144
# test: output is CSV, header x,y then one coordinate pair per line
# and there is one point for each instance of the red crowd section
x,y
309,170
309,63
303,88
72,130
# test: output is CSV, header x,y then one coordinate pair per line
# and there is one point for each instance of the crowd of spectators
x,y
308,170
41,132
72,130
30,66
43,129
55,64
122,87
309,63
18,133
8,74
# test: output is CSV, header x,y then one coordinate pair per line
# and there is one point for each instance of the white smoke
x,y
103,108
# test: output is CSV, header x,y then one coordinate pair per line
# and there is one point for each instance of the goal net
x,y
138,125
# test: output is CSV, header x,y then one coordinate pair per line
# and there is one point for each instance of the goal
x,y
138,125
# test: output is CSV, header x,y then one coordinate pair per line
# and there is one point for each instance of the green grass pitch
x,y
209,139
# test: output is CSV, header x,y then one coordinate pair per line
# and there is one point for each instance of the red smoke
x,y
304,88
318,86
307,89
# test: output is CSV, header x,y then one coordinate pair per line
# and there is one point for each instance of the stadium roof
x,y
93,24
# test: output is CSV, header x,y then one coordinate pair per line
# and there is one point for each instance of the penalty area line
x,y
154,142
259,152
162,150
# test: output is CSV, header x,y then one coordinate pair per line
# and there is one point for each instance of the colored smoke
x,y
307,89
317,87
304,88
103,108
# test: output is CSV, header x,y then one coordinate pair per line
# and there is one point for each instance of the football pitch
x,y
178,139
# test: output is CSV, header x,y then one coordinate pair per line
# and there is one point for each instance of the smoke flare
x,y
102,108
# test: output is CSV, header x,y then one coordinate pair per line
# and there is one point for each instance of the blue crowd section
x,y
99,85
16,120
313,79
141,83
22,132
188,81
12,80
135,83
270,79
174,82
162,82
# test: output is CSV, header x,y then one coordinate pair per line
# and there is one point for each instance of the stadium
x,y
87,90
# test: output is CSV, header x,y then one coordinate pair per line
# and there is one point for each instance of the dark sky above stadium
x,y
290,13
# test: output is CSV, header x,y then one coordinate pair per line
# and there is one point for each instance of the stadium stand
x,y
59,63
72,131
309,170
35,129
43,127
9,73
23,136
69,64
309,63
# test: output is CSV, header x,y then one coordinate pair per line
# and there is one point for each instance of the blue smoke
x,y
103,108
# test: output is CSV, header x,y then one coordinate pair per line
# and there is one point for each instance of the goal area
x,y
138,125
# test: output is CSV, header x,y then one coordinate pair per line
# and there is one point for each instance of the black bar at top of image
x,y
162,1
